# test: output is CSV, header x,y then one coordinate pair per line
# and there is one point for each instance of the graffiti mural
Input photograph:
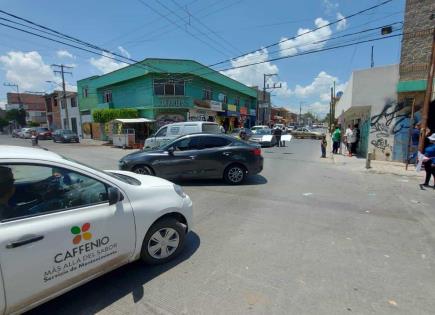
x,y
391,121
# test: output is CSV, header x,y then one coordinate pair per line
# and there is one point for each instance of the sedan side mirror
x,y
171,151
114,195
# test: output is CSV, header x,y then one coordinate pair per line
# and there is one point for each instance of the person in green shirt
x,y
336,139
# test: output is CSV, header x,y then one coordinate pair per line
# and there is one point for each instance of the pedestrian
x,y
357,135
277,132
34,138
323,145
336,139
350,137
429,160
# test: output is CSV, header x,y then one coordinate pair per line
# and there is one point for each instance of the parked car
x,y
175,130
65,135
198,156
258,127
305,133
26,133
290,128
16,133
43,133
236,132
66,224
264,138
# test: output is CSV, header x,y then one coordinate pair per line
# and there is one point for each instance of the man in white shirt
x,y
350,135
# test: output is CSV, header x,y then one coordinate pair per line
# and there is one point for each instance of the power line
x,y
307,32
207,27
180,27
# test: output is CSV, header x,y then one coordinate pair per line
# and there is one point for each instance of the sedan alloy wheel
x,y
163,243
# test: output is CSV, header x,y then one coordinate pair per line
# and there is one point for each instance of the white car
x,y
256,128
25,133
172,131
63,223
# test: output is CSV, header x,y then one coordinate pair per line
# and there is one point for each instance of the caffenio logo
x,y
81,233
87,249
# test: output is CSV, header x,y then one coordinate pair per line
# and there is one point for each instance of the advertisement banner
x,y
216,106
232,107
243,111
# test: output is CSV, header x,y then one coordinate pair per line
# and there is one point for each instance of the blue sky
x,y
208,31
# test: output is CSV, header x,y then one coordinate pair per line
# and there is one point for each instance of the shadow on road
x,y
110,288
251,180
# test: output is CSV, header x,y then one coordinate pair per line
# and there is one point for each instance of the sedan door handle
x,y
24,241
226,153
192,157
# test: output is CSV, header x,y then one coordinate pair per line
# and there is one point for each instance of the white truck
x,y
63,223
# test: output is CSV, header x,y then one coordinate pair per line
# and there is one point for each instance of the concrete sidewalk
x,y
377,167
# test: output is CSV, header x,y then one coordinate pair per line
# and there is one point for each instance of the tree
x,y
105,115
3,123
19,115
326,119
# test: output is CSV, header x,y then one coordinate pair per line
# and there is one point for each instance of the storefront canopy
x,y
133,120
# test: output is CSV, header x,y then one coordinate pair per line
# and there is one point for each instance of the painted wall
x,y
375,89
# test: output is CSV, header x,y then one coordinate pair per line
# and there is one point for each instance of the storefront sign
x,y
243,111
252,112
232,108
216,106
172,102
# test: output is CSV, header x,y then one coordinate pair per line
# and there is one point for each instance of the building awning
x,y
133,120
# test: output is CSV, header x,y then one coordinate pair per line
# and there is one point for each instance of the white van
x,y
175,130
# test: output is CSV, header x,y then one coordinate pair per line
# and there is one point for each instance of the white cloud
x,y
330,5
343,23
124,52
65,54
105,65
308,41
28,70
253,75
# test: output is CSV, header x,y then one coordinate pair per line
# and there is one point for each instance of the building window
x,y
107,96
207,94
225,99
85,92
237,101
73,102
62,103
169,87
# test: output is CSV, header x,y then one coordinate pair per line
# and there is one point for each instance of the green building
x,y
170,90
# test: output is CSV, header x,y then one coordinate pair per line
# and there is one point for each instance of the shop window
x,y
207,94
107,96
237,101
169,87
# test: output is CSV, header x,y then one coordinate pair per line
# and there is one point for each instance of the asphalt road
x,y
304,237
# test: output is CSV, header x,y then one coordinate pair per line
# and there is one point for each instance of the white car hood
x,y
150,181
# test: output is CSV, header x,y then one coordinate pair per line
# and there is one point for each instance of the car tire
x,y
235,174
154,252
143,170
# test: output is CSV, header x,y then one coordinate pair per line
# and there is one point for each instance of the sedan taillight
x,y
257,151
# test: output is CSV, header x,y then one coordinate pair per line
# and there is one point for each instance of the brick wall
x,y
417,41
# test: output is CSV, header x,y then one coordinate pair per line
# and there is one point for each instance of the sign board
x,y
232,107
243,111
263,105
172,102
216,106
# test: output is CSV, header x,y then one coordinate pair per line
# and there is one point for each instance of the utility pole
x,y
62,73
427,97
300,113
20,105
331,104
372,64
275,86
